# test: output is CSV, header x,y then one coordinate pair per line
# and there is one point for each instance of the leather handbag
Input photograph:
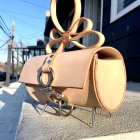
x,y
93,77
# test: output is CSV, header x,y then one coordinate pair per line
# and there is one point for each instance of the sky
x,y
29,20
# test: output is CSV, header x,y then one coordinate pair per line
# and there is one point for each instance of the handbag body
x,y
91,77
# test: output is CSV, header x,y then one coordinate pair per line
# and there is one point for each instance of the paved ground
x,y
2,84
37,125
11,101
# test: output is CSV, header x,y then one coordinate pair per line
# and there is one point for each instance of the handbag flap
x,y
70,68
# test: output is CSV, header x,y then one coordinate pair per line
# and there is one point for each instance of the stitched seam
x,y
98,95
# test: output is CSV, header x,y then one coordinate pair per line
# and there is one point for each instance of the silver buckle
x,y
52,95
51,77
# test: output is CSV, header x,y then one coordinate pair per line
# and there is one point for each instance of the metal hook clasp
x,y
50,79
52,95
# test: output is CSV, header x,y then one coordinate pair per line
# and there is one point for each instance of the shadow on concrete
x,y
77,126
38,106
41,108
10,108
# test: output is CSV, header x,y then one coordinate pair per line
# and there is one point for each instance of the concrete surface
x,y
11,100
123,136
124,124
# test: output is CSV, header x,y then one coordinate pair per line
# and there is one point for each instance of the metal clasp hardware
x,y
51,77
47,89
52,95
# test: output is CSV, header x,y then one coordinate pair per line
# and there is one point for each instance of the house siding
x,y
124,35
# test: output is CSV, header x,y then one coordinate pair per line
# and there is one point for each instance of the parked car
x,y
12,76
2,76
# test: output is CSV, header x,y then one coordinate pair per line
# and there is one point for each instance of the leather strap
x,y
71,35
77,15
68,37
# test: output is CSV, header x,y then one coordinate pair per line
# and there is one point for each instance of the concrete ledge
x,y
124,136
124,124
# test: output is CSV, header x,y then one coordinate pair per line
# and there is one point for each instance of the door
x,y
93,11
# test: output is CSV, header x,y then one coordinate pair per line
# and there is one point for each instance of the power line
x,y
5,25
28,35
25,22
33,36
21,14
4,28
3,49
22,21
5,43
2,40
22,37
4,31
34,4
39,32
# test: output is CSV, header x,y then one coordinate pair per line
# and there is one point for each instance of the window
x,y
122,7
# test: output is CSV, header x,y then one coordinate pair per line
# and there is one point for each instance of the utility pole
x,y
10,47
13,67
13,26
17,64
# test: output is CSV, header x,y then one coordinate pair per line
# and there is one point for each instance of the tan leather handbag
x,y
93,77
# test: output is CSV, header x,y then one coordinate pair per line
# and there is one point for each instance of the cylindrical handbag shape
x,y
88,77
92,77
